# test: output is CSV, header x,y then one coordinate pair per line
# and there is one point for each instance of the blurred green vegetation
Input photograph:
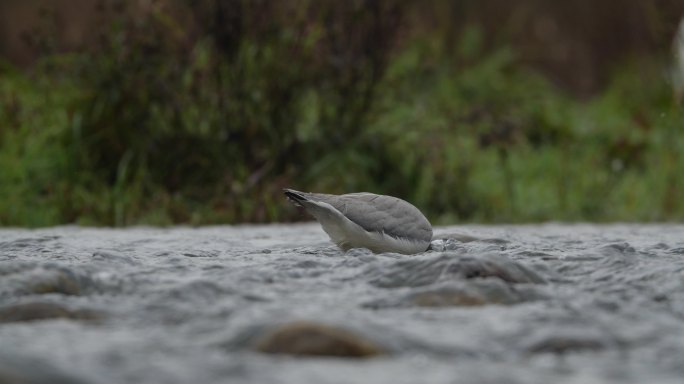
x,y
160,124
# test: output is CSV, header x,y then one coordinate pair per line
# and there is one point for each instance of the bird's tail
x,y
295,197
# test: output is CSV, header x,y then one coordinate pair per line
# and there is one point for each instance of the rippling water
x,y
279,304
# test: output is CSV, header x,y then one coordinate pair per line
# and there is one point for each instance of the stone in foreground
x,y
314,339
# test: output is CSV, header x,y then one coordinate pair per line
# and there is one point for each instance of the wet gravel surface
x,y
279,304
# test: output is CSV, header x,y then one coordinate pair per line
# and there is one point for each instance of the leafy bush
x,y
204,118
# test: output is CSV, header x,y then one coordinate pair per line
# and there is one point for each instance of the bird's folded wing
x,y
377,213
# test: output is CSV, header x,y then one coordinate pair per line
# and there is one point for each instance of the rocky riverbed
x,y
279,304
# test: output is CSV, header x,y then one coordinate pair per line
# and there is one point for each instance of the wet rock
x,y
314,339
416,272
56,281
43,311
45,279
457,294
447,298
486,292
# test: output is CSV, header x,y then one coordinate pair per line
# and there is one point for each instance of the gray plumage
x,y
366,220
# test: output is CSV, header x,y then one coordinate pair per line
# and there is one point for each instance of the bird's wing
x,y
379,213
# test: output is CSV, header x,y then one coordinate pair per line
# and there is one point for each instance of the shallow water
x,y
513,304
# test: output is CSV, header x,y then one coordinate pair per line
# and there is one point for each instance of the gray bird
x,y
366,220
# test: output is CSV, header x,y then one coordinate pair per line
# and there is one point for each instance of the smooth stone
x,y
416,272
490,291
314,339
460,294
35,311
56,282
45,279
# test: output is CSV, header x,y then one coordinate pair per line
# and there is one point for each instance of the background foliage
x,y
201,112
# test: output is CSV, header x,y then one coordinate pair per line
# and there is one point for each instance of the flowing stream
x,y
547,303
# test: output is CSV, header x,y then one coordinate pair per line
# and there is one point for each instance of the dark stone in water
x,y
448,298
416,272
488,291
314,339
45,279
42,311
56,281
456,294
